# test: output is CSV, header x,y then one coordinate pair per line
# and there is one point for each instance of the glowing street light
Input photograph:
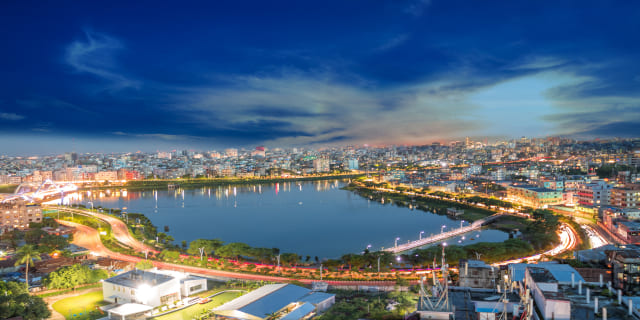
x,y
442,229
461,222
398,238
421,232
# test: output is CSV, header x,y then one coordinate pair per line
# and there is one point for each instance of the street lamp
x,y
461,222
91,203
442,229
421,232
398,238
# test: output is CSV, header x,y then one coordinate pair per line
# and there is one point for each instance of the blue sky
x,y
205,75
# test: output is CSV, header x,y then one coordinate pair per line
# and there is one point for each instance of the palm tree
x,y
27,254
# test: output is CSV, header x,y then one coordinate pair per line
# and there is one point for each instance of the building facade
x,y
532,196
627,196
18,214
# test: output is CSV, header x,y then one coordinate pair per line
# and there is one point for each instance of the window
x,y
194,288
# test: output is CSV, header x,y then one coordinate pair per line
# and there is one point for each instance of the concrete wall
x,y
188,284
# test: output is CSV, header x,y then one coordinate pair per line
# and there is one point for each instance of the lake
x,y
315,218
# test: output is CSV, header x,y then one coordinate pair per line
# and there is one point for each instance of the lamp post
x,y
442,229
91,203
421,232
398,238
461,222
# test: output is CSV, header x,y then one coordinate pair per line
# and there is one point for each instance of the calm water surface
x,y
309,218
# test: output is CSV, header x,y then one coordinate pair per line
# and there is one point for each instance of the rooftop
x,y
561,272
541,274
135,278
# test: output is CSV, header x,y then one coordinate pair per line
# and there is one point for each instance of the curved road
x,y
119,229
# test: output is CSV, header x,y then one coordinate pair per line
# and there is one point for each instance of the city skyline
x,y
150,76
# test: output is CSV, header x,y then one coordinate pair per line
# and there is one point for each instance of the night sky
x,y
145,75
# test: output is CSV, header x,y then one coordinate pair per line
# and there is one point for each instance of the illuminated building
x,y
151,288
626,270
528,195
594,194
18,214
626,197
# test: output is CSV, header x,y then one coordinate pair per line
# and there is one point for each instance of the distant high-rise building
x,y
321,165
231,152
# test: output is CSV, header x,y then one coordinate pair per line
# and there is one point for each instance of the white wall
x,y
187,284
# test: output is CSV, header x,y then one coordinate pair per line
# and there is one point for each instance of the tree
x,y
17,302
209,246
73,276
144,265
169,255
27,254
234,250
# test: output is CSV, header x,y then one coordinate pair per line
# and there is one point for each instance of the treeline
x,y
205,182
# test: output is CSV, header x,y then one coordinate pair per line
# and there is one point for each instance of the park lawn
x,y
190,312
79,305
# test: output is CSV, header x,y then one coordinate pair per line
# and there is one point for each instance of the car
x,y
204,300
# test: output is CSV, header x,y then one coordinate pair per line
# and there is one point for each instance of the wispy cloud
x,y
417,7
11,116
95,55
298,107
393,42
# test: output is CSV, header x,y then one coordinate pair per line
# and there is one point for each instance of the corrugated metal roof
x,y
315,297
299,312
275,300
265,300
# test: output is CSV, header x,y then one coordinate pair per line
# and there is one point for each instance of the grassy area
x,y
82,306
191,312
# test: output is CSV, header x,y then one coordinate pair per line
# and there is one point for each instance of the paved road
x,y
119,229
89,238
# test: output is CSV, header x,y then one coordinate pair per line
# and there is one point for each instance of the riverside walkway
x,y
445,235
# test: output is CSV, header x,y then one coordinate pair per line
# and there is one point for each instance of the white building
x,y
152,288
544,289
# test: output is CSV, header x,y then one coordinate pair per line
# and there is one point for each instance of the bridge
x,y
32,192
445,235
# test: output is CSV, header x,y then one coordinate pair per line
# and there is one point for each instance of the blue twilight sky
x,y
149,75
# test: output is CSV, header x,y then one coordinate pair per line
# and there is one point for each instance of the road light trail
x,y
594,237
568,241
